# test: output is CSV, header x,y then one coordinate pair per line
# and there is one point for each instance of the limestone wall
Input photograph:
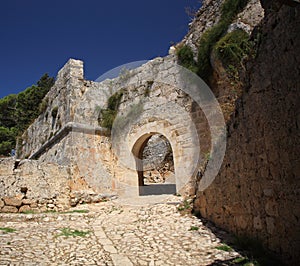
x,y
257,190
209,15
68,131
57,109
33,186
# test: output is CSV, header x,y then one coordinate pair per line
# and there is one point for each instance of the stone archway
x,y
154,188
183,141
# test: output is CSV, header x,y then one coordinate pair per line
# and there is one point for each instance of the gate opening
x,y
155,165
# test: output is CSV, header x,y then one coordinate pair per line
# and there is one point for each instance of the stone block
x,y
28,201
7,166
14,201
33,205
9,209
25,208
1,203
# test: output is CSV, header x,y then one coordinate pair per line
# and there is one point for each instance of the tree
x,y
7,140
7,111
17,111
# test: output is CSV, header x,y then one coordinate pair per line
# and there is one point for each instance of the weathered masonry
x,y
109,162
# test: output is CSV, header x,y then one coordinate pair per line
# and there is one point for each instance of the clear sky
x,y
39,36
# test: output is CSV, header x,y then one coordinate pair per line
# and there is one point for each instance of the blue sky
x,y
39,36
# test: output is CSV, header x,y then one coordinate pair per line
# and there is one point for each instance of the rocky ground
x,y
150,231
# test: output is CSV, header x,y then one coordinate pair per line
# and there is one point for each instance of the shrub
x,y
210,37
194,228
7,140
115,100
231,8
207,41
107,116
233,47
6,147
186,58
224,247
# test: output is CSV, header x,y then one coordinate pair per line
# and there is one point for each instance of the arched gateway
x,y
109,161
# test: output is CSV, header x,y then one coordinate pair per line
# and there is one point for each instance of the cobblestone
x,y
118,234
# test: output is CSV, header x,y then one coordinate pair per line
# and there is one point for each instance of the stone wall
x,y
33,186
257,190
58,109
209,15
68,131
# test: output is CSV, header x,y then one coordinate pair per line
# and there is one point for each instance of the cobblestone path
x,y
110,233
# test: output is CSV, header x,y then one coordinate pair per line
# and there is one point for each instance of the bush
x,y
115,100
229,11
186,58
231,8
6,147
7,140
107,116
208,40
233,47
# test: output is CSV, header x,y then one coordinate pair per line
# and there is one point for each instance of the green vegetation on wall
x,y
17,111
107,116
186,58
229,10
233,48
207,41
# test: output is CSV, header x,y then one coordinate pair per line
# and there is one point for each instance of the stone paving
x,y
117,233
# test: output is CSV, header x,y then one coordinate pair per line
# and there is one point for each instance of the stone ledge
x,y
71,126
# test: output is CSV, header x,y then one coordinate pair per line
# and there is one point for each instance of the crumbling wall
x,y
257,190
33,186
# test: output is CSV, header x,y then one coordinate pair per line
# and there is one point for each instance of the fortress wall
x,y
256,193
56,109
74,138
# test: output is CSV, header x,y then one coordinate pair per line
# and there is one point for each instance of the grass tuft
x,y
224,247
72,232
77,211
7,230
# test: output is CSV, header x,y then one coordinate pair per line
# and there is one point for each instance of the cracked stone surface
x,y
149,232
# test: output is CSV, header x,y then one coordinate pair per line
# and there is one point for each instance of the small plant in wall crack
x,y
224,247
185,206
107,116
